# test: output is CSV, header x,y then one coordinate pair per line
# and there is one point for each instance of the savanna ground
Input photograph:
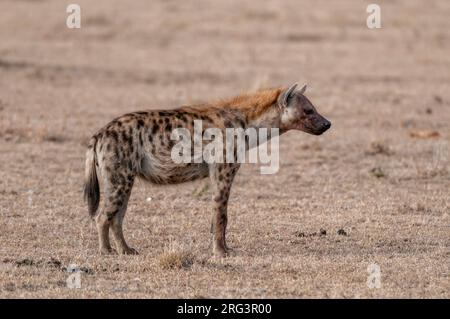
x,y
372,190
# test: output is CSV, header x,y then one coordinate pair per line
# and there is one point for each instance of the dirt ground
x,y
372,191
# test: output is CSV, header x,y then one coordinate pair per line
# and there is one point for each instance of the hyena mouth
x,y
320,132
322,128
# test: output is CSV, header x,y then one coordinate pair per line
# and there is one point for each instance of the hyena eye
x,y
308,111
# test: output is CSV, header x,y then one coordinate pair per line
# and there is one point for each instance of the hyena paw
x,y
223,252
129,251
108,251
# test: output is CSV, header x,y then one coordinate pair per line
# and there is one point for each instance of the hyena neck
x,y
259,109
266,124
269,119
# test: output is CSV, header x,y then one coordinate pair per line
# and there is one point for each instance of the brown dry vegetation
x,y
368,191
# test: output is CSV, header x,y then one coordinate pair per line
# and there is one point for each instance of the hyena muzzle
x,y
139,145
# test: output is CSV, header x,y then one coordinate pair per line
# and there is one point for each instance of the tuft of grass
x,y
406,208
176,259
44,135
27,134
424,134
342,232
378,147
201,191
378,172
54,138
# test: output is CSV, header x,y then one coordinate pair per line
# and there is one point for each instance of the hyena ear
x,y
283,99
303,89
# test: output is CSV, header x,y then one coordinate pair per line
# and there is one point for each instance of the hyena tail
x,y
91,186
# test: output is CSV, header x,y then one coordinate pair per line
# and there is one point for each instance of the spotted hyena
x,y
139,145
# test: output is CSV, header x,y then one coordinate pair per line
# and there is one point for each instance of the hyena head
x,y
298,113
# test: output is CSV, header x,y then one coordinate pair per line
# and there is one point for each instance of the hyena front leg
x,y
222,176
117,192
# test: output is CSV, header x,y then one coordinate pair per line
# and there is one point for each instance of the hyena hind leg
x,y
116,201
103,224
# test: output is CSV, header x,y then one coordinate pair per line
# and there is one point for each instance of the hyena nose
x,y
326,125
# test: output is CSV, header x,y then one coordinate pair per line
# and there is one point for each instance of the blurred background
x,y
163,53
381,173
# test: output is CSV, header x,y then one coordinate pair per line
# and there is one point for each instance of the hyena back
x,y
139,145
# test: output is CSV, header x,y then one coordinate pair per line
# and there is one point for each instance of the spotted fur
x,y
138,145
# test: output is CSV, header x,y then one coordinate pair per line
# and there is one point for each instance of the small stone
x,y
378,172
438,99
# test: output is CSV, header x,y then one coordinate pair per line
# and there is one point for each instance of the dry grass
x,y
173,258
379,148
368,191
